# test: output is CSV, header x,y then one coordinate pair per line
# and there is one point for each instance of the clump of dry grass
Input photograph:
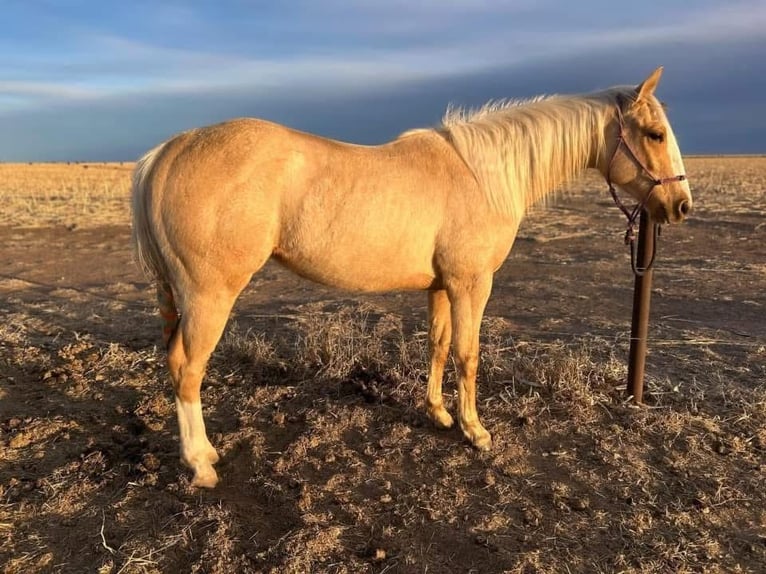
x,y
330,345
334,343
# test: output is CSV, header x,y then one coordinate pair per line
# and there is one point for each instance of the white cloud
x,y
107,65
45,90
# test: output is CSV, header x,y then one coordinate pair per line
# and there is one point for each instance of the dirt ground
x,y
314,399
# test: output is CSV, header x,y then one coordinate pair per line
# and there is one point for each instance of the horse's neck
x,y
521,154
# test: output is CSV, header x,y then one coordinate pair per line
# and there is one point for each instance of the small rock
x,y
294,483
278,418
701,505
530,517
482,540
386,498
579,504
378,555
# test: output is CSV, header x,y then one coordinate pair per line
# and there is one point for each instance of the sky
x,y
86,80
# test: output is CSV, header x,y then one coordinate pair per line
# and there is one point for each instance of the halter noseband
x,y
632,215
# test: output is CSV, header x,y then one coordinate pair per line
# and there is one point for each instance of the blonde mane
x,y
522,150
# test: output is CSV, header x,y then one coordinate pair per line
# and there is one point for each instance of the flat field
x,y
314,399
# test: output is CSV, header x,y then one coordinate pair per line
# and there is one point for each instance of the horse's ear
x,y
647,87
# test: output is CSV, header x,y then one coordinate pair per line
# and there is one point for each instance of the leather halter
x,y
632,215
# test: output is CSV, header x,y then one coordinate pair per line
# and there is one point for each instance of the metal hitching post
x,y
642,293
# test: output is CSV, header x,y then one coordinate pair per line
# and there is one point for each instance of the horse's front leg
x,y
439,336
468,297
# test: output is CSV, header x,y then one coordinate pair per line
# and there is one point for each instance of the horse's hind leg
x,y
201,325
439,336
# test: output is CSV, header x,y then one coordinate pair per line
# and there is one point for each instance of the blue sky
x,y
97,81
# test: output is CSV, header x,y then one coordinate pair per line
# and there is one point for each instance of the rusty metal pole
x,y
642,293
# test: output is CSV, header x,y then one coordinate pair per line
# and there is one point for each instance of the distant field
x,y
74,194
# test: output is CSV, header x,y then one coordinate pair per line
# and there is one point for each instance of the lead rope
x,y
640,271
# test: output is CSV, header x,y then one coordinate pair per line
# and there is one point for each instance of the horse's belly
x,y
364,273
363,242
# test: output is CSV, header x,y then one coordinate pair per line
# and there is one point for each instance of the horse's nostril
x,y
684,207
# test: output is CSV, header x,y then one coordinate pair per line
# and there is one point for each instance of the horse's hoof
x,y
483,443
440,417
478,437
205,478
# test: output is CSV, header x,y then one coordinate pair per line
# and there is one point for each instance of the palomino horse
x,y
436,209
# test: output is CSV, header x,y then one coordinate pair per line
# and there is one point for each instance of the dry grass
x,y
328,463
74,195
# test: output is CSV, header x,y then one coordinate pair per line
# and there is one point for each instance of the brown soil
x,y
314,400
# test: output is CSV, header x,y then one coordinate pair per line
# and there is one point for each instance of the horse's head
x,y
642,155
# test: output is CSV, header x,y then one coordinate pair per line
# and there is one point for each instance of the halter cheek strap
x,y
632,214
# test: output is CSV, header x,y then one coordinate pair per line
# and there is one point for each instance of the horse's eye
x,y
655,136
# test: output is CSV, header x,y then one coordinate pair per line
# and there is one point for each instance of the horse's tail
x,y
145,247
